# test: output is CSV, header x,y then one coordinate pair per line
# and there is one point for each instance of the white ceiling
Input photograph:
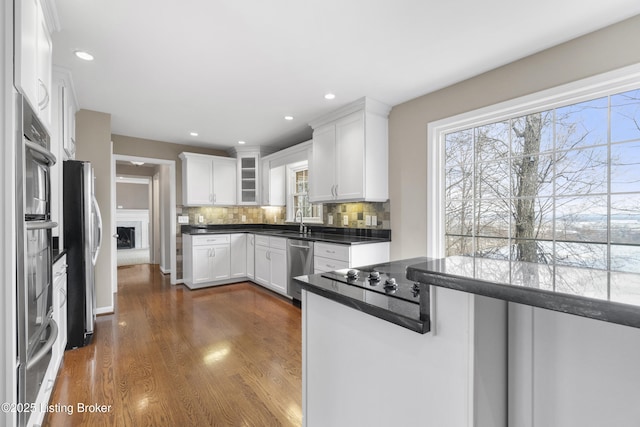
x,y
232,69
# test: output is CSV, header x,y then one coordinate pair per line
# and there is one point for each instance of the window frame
x,y
619,80
290,170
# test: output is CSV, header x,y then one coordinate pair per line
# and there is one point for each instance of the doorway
x,y
136,204
154,228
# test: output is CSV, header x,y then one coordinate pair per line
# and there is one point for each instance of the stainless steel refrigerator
x,y
82,239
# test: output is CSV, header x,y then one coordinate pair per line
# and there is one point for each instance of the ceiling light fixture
x,y
288,118
241,142
86,56
193,133
329,96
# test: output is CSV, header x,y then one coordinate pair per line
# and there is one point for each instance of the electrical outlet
x,y
345,220
200,218
330,219
367,220
244,218
374,220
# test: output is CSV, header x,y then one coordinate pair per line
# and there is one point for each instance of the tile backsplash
x,y
356,213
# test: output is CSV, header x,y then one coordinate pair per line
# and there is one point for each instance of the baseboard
x,y
165,271
104,310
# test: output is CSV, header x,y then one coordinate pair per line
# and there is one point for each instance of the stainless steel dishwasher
x,y
300,262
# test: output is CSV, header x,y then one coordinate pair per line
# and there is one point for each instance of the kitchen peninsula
x,y
509,344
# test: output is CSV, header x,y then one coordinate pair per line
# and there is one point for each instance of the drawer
x,y
323,264
211,239
262,240
277,243
327,250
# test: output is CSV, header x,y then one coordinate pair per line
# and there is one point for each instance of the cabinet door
x,y
277,186
263,266
45,65
350,157
220,262
224,182
265,171
322,166
248,180
251,247
278,279
197,188
201,264
238,255
26,49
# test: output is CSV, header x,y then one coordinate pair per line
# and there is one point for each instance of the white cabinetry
x,y
207,259
251,253
60,309
238,255
271,263
329,256
350,154
273,184
248,179
208,180
33,57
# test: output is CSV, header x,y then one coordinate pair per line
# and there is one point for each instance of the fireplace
x,y
126,237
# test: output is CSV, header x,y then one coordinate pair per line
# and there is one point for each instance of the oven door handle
x,y
47,345
41,225
49,158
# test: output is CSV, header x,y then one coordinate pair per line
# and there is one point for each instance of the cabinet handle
x,y
331,266
45,101
336,191
268,254
214,197
213,251
330,252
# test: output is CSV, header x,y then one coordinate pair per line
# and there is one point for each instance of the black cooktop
x,y
386,278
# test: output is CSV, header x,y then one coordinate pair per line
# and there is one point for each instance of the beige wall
x,y
132,196
93,143
595,53
129,146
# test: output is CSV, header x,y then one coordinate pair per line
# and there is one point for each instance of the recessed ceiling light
x,y
83,55
241,142
329,96
288,117
193,133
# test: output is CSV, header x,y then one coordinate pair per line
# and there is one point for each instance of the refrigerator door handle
x,y
99,216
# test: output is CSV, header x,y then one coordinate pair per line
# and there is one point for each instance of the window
x,y
557,185
298,195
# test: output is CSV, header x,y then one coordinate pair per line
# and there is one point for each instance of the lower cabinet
x,y
238,255
330,257
271,263
251,253
206,259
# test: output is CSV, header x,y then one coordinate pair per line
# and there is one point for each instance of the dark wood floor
x,y
223,356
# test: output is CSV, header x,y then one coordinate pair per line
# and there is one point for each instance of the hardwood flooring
x,y
168,356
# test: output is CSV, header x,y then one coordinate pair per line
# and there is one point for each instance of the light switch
x,y
345,220
367,220
183,219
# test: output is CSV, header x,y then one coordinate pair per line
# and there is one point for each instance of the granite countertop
x,y
387,307
597,294
343,236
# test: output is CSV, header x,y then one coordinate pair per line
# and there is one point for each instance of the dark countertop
x,y
344,236
387,307
597,294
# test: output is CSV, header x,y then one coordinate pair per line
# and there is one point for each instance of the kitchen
x,y
590,54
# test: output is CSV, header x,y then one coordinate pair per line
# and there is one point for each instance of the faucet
x,y
299,211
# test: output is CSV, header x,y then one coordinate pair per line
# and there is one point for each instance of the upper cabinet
x,y
208,180
64,113
350,154
249,173
33,57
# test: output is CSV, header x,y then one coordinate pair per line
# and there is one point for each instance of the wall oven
x,y
36,329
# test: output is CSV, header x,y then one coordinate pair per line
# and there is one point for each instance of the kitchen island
x,y
508,345
371,358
